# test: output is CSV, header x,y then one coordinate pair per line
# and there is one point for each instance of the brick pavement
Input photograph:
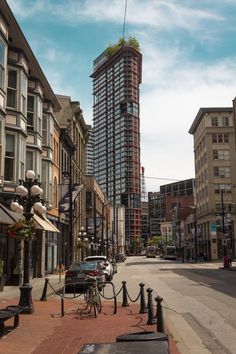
x,y
45,331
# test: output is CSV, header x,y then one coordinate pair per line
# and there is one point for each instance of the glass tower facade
x,y
116,125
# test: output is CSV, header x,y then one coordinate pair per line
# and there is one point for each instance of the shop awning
x,y
8,216
45,224
64,204
5,218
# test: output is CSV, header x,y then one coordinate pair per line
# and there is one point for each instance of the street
x,y
199,300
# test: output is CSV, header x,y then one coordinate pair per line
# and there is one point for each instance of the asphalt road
x,y
199,300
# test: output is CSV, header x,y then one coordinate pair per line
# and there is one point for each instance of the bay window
x,y
12,89
9,158
2,64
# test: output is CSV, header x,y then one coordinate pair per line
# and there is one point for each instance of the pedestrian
x,y
60,269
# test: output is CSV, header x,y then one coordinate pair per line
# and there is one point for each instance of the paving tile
x,y
45,331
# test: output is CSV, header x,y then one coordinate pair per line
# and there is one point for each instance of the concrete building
x,y
144,223
73,202
89,153
116,80
97,217
213,131
156,212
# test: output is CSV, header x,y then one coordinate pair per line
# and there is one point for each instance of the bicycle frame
x,y
92,297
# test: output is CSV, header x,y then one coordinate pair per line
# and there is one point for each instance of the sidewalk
x,y
45,331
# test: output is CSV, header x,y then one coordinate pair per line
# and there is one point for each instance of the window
x,y
23,88
221,171
22,158
29,160
225,121
2,64
12,89
225,188
214,122
39,114
221,154
220,138
30,112
9,157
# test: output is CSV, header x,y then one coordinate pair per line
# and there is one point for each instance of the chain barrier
x,y
158,319
136,297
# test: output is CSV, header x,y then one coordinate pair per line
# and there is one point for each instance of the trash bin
x,y
142,337
139,337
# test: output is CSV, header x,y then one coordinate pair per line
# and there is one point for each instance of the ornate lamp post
x,y
82,240
29,197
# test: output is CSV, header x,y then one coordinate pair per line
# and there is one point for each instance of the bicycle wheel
x,y
88,298
95,309
99,303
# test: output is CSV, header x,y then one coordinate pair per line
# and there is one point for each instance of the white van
x,y
151,252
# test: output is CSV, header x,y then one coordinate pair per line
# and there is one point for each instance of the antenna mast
x,y
123,35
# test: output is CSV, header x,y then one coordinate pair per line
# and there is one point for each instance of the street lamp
x,y
102,239
82,239
27,201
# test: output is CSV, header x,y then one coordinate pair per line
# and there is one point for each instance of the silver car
x,y
107,266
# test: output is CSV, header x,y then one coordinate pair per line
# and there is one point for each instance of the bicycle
x,y
92,296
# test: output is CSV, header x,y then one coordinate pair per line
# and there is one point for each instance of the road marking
x,y
204,284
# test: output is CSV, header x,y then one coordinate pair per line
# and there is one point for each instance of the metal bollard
x,y
160,321
44,294
151,320
143,308
125,297
62,305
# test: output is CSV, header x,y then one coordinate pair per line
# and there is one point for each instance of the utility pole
x,y
223,217
195,235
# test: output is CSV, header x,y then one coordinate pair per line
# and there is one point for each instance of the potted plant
x,y
22,229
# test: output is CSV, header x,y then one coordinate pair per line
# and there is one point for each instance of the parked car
x,y
108,268
170,253
120,257
75,276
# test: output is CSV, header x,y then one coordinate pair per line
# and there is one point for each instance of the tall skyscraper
x,y
116,79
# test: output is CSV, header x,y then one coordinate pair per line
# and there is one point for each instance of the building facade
x,y
213,131
27,102
116,124
73,199
89,153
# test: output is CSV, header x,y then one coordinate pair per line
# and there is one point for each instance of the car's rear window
x,y
95,259
84,266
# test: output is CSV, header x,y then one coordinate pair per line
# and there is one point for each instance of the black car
x,y
75,276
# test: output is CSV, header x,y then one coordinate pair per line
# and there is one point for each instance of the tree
x,y
122,42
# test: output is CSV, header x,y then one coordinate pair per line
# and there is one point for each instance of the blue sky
x,y
189,61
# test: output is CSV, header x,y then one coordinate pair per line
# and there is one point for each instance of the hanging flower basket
x,y
11,234
22,229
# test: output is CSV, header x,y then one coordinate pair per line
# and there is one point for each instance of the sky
x,y
189,62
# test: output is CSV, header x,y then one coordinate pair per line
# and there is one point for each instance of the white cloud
x,y
173,91
160,14
174,85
